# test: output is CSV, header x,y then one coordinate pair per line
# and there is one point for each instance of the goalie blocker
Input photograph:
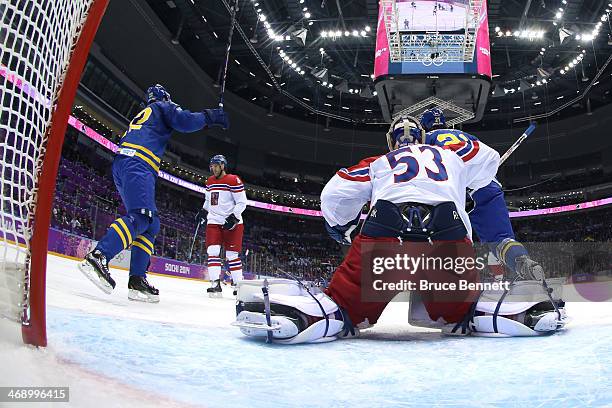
x,y
301,314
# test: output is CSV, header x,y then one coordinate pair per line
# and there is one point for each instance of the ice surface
x,y
182,351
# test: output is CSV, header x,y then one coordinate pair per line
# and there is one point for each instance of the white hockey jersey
x,y
224,196
418,173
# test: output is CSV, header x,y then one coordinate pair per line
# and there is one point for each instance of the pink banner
x,y
92,134
563,208
382,56
483,46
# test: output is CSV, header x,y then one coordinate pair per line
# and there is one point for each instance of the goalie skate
x,y
254,324
95,269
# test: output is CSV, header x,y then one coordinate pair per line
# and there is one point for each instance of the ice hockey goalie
x,y
416,193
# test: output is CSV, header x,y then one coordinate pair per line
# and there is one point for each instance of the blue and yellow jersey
x,y
462,143
148,133
490,217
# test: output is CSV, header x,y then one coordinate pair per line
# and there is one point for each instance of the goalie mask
x,y
157,93
405,130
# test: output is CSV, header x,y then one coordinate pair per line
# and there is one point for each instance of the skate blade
x,y
139,296
93,276
215,295
257,326
254,324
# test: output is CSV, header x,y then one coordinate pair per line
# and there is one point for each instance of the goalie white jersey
x,y
417,173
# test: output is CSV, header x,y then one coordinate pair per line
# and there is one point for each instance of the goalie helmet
x,y
405,130
433,119
157,93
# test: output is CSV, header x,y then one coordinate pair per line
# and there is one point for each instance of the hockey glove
x,y
230,222
342,233
201,216
216,117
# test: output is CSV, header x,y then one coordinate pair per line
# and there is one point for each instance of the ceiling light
x,y
368,29
307,15
497,29
324,34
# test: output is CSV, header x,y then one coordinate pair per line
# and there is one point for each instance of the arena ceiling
x,y
537,68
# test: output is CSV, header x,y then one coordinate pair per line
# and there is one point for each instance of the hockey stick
x,y
266,296
518,142
193,240
227,54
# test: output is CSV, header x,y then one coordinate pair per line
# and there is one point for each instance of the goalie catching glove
x,y
230,222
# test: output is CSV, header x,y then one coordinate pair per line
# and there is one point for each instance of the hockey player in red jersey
x,y
416,193
225,200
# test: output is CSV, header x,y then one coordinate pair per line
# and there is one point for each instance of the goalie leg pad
x,y
296,315
525,311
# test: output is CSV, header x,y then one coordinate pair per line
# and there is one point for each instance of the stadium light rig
x,y
355,33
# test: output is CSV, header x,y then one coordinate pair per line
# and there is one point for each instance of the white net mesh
x,y
36,40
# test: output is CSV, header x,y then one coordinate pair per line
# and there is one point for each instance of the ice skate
x,y
215,291
141,290
95,268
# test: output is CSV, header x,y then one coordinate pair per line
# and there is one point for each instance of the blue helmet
x,y
433,119
218,159
157,93
405,130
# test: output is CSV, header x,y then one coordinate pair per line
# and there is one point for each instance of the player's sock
x,y
214,267
118,237
142,249
235,267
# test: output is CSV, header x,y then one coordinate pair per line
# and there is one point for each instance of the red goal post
x,y
45,44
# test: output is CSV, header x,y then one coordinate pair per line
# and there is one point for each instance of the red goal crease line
x,y
29,90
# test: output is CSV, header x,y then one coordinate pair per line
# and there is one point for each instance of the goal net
x,y
43,47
